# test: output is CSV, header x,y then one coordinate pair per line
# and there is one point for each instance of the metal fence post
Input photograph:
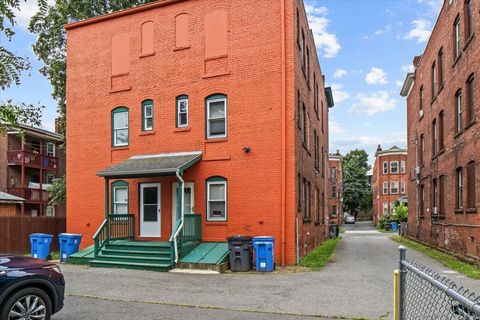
x,y
402,284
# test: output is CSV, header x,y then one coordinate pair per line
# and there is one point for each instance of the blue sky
x,y
365,48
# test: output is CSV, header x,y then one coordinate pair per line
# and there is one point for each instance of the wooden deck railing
x,y
192,228
32,195
116,226
32,159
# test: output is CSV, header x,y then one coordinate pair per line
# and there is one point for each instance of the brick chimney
x,y
379,148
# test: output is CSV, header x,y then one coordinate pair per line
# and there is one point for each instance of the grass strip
x,y
449,261
317,259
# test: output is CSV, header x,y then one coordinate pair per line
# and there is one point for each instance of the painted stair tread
x,y
207,253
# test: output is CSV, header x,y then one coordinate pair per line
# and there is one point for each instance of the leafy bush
x,y
400,213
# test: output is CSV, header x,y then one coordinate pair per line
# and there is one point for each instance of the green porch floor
x,y
82,257
207,253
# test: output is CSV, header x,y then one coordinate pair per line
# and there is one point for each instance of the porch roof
x,y
163,164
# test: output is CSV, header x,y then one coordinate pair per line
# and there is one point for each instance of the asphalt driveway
x,y
357,283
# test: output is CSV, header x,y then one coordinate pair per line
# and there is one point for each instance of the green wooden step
x,y
134,253
143,259
131,265
138,245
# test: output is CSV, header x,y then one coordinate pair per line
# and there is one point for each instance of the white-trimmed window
x,y
458,48
385,208
182,111
402,166
51,149
120,127
394,187
147,115
394,167
217,199
50,211
402,187
385,187
120,197
385,167
392,207
217,116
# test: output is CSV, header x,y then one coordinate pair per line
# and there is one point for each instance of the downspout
x,y
284,136
180,227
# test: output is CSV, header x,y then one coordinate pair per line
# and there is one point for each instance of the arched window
x,y
147,37
216,199
216,106
182,36
120,197
182,111
120,127
147,115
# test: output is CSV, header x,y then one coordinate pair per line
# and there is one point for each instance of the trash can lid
x,y
264,238
240,237
70,235
40,235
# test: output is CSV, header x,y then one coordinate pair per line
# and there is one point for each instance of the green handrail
x,y
116,226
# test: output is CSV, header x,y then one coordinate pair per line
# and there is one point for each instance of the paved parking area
x,y
357,283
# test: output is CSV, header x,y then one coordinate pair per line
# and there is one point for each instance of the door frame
x,y
174,199
159,204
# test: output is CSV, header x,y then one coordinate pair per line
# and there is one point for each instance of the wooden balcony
x,y
31,159
30,195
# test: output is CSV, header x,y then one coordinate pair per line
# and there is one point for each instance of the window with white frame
x,y
51,149
394,187
385,167
385,208
50,211
217,116
392,207
385,187
182,112
217,199
458,48
394,167
402,166
147,115
120,127
402,187
120,197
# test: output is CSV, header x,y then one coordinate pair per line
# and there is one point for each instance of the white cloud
x,y
420,32
407,68
383,30
370,104
27,10
376,76
339,73
334,127
339,95
324,39
399,83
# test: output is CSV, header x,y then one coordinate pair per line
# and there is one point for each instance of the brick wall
x,y
335,201
458,230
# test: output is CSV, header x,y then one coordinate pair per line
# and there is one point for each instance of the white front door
x,y
188,205
150,212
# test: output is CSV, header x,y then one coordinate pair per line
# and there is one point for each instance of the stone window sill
x,y
216,140
458,134
181,48
120,148
458,210
182,129
305,220
471,123
471,210
469,40
148,133
148,54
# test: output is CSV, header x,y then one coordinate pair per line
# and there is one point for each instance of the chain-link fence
x,y
424,294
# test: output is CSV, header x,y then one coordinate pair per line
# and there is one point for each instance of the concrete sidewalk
x,y
357,283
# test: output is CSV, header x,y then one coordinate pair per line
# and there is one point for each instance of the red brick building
x,y
389,180
443,133
29,166
335,204
219,105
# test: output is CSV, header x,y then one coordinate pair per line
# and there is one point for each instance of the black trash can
x,y
240,253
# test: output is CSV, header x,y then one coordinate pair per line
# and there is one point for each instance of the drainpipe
x,y
284,138
180,227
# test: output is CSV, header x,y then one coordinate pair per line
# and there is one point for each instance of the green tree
x,y
11,68
50,47
58,191
356,193
400,213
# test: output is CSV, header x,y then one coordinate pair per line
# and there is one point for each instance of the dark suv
x,y
29,288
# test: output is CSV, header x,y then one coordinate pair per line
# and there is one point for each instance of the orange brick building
x,y
335,204
389,180
442,96
210,109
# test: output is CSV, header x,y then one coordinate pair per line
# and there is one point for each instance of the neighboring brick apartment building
x,y
335,204
28,167
155,81
389,180
443,97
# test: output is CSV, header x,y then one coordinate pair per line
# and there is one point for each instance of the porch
x,y
121,239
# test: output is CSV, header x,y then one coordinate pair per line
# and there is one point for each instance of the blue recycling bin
x,y
40,245
264,253
69,243
394,226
